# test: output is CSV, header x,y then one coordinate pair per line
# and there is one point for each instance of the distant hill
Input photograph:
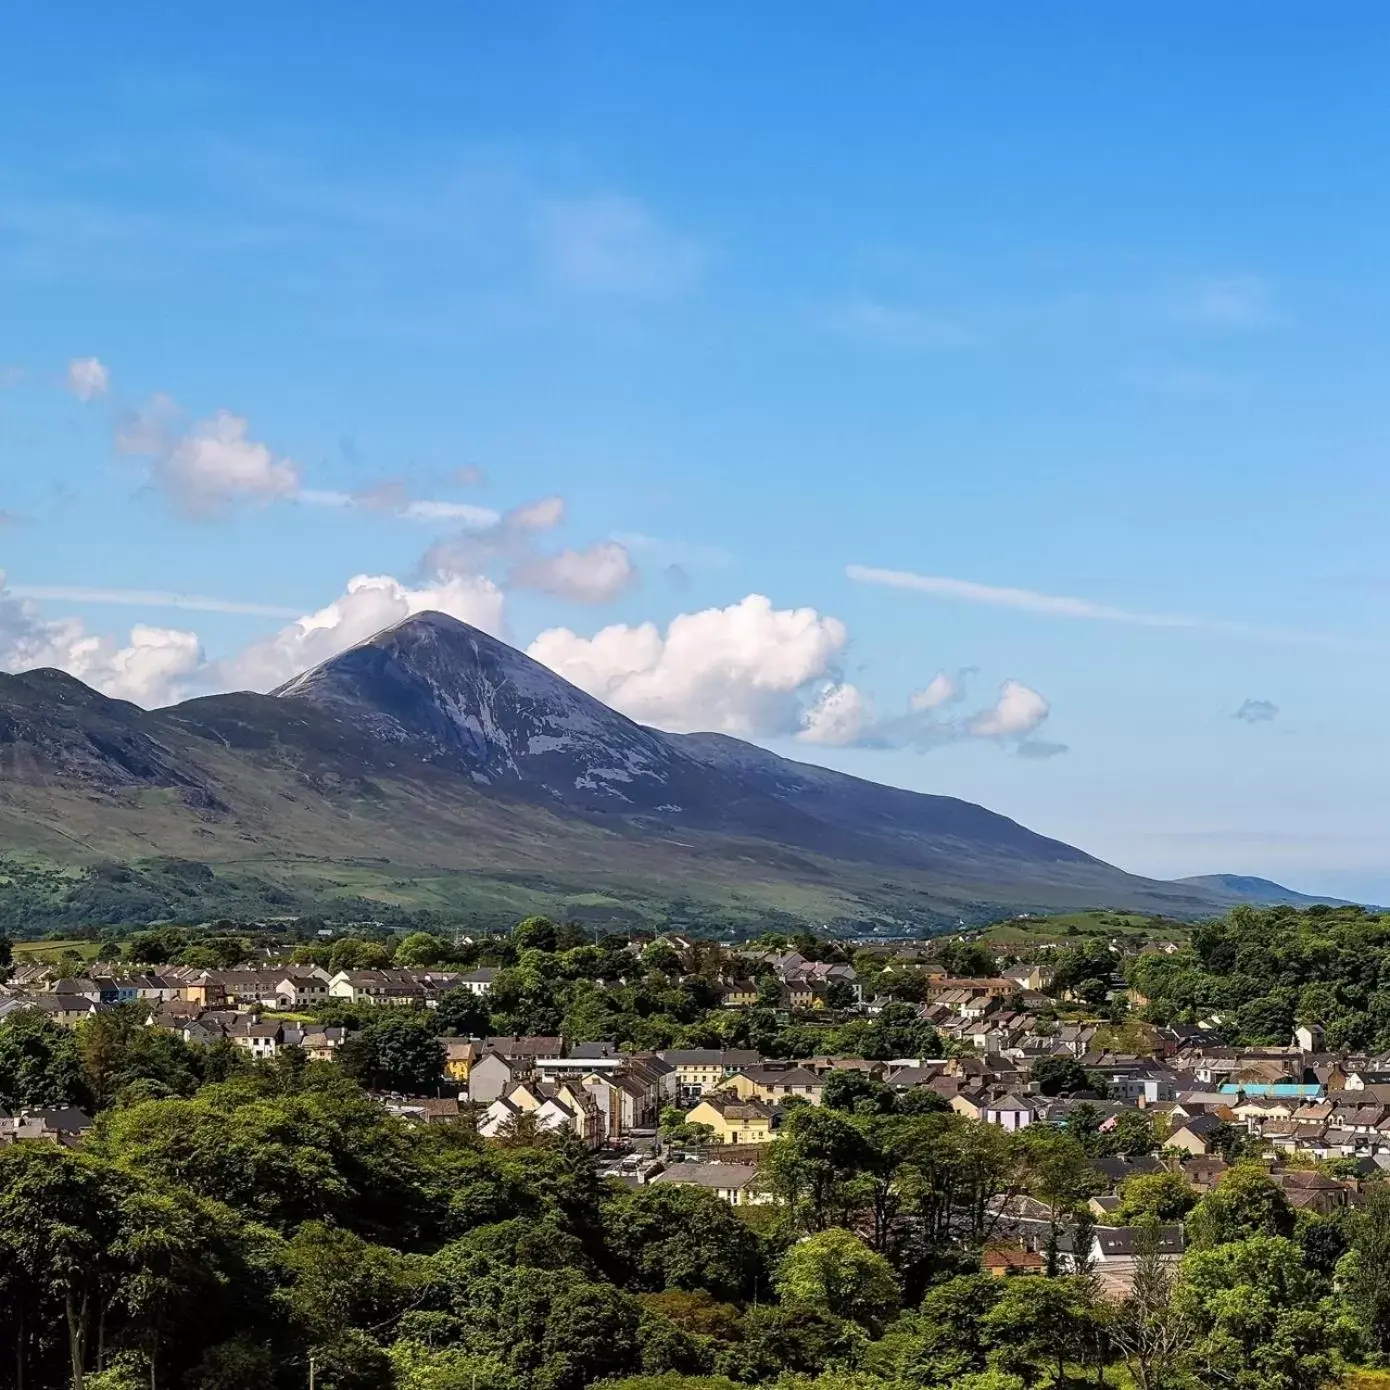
x,y
435,766
1262,892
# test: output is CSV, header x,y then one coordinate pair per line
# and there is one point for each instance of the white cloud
x,y
459,513
145,669
1015,714
608,244
393,502
942,689
212,465
149,598
747,669
371,602
838,717
544,514
593,575
1064,606
1029,600
88,378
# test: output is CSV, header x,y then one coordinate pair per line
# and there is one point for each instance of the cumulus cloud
x,y
511,545
156,665
1015,714
370,603
838,717
145,668
845,718
748,669
758,672
1257,712
88,378
942,689
209,466
593,575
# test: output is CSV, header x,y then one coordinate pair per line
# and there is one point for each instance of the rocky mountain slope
x,y
434,765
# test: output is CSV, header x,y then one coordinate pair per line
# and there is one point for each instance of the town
x,y
1044,1033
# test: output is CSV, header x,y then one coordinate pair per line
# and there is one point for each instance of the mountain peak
x,y
454,694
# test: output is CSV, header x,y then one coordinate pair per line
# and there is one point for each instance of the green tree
x,y
1036,1324
462,1014
1365,1273
856,1092
835,1270
398,1052
353,953
117,1050
1160,1197
419,951
669,1237
1057,1076
1258,1316
39,1063
1244,1203
814,1167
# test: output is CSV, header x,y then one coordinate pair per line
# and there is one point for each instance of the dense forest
x,y
1261,971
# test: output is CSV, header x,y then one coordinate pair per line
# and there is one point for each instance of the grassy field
x,y
35,952
1033,931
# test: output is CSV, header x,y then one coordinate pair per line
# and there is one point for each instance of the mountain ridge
x,y
433,763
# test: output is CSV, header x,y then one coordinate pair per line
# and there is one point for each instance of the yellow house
x,y
701,1069
734,1121
776,1084
459,1056
739,994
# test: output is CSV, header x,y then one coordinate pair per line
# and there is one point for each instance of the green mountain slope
x,y
436,767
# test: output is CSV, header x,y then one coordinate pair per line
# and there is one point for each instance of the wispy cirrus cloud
x,y
148,598
1083,609
1001,596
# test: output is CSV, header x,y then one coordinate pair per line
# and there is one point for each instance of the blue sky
x,y
912,321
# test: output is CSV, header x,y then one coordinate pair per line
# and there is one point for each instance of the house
x,y
320,1042
529,1049
1316,1193
492,1075
701,1069
734,1183
66,1009
398,987
1194,1136
775,1084
734,1121
301,989
625,1102
738,994
478,982
1004,1260
551,1106
459,1056
258,1038
1008,1112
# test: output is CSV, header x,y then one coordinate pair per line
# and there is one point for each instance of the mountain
x,y
435,766
1262,892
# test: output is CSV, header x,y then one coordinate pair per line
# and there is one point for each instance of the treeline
x,y
1263,971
